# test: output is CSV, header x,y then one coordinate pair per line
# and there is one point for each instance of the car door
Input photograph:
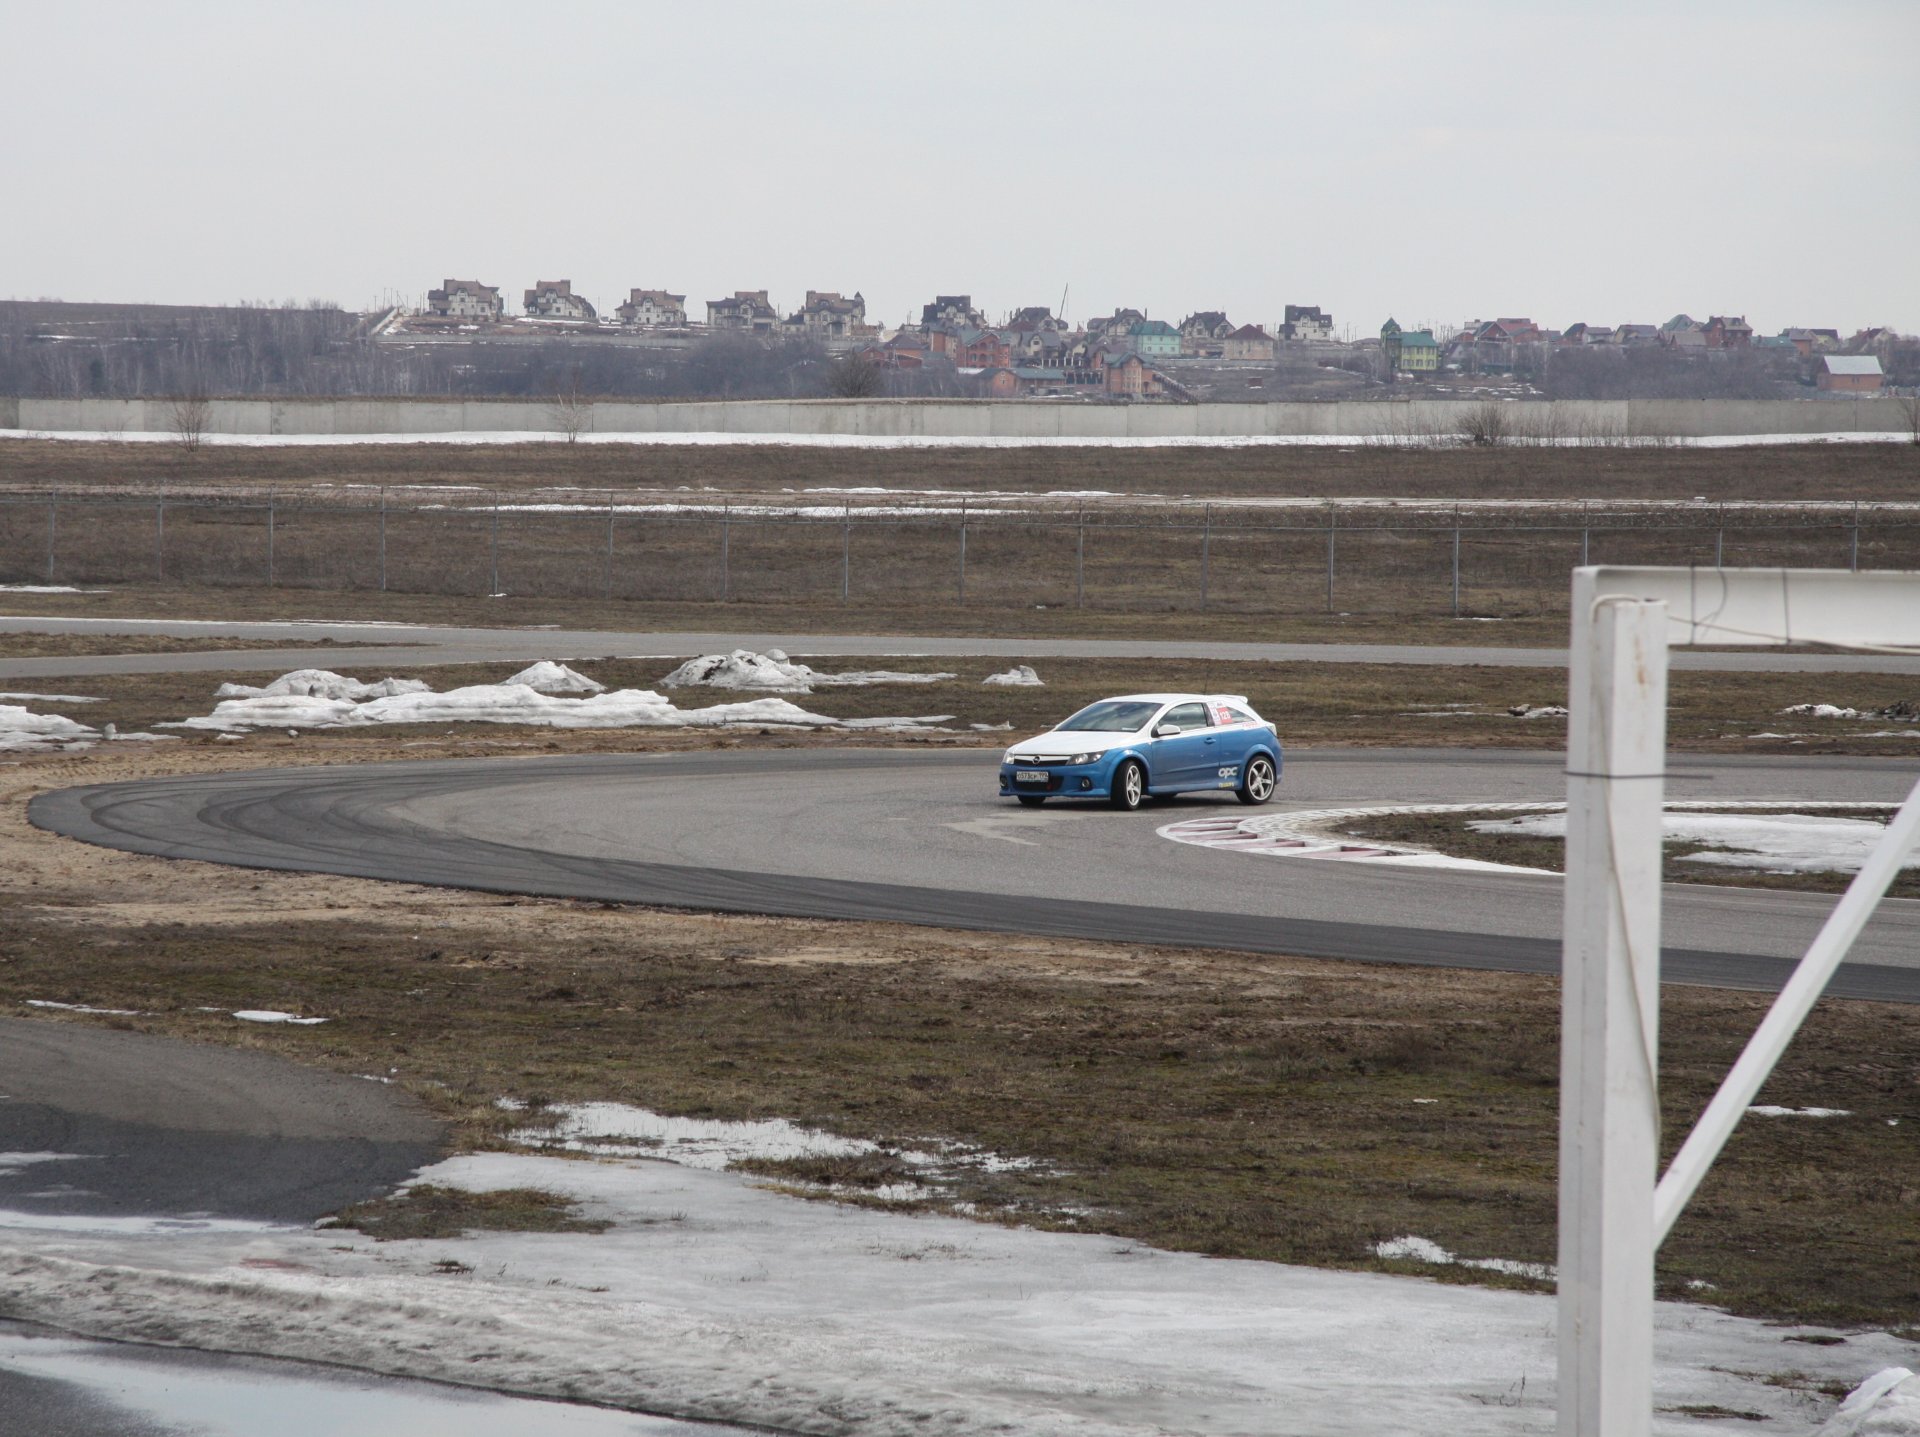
x,y
1185,759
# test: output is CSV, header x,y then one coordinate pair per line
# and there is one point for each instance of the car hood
x,y
1065,745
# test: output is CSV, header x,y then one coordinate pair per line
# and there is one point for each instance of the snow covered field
x,y
713,1297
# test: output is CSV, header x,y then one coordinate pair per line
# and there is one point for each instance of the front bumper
x,y
1084,780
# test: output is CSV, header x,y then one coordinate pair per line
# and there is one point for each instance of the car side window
x,y
1242,716
1187,716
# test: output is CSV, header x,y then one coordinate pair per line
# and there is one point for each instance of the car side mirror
x,y
1165,730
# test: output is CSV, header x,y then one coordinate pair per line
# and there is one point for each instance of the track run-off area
x,y
921,838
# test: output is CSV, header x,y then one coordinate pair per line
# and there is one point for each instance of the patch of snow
x,y
1420,1249
14,1162
774,671
54,698
81,1008
1825,711
547,677
1887,1404
1019,676
272,1015
46,589
24,732
1768,1111
1773,842
322,684
713,1297
1537,711
991,727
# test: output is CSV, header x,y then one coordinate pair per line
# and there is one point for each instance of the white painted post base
x,y
1609,1096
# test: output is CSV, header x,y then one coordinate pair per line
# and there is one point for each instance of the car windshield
x,y
1110,716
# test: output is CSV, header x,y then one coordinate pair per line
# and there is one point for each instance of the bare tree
x,y
570,408
852,377
1910,412
1487,423
187,416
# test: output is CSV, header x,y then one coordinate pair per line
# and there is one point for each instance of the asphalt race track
x,y
921,837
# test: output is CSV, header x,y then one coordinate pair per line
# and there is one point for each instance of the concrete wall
x,y
1402,419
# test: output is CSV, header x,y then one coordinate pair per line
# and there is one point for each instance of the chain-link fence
x,y
1495,559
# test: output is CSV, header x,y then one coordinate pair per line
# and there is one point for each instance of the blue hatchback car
x,y
1138,746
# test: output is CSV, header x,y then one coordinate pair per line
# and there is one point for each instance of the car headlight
x,y
1093,757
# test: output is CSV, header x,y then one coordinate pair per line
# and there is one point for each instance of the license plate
x,y
1030,775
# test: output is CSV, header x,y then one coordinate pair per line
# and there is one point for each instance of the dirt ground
x,y
1223,1103
1823,472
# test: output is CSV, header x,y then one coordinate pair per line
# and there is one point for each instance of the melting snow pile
x,y
1420,1249
1902,710
313,698
1773,842
1535,711
774,671
1887,1404
547,677
23,732
619,1131
1019,676
321,684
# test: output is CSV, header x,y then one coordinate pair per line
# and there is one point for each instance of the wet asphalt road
x,y
922,838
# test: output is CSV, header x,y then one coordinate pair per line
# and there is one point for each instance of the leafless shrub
x,y
1910,412
187,416
570,408
851,377
1487,423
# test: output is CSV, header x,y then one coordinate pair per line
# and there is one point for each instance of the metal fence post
x,y
1080,563
1456,571
269,538
1206,555
608,587
53,528
726,539
160,536
963,551
1853,561
1332,514
1719,547
846,551
1585,536
383,538
493,584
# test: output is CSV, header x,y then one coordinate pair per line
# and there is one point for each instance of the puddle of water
x,y
165,1391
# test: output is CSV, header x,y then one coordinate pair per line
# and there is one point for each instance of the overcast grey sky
x,y
1605,161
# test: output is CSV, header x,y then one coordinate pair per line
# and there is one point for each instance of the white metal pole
x,y
1609,1110
1783,1020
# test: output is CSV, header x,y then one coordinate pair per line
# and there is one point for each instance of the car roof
x,y
1182,698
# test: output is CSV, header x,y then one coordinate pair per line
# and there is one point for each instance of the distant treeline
x,y
78,351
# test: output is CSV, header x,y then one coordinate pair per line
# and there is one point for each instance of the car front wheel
x,y
1129,785
1258,784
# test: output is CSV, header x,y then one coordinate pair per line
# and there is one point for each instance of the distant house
x,y
1306,322
1810,342
1848,373
983,349
1419,352
826,315
955,311
1584,333
1153,338
653,307
1116,324
1683,331
1036,318
1724,331
1204,333
1635,335
1128,376
1248,342
1508,331
555,299
748,312
465,299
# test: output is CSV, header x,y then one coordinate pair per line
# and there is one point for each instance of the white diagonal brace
x,y
1783,1020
